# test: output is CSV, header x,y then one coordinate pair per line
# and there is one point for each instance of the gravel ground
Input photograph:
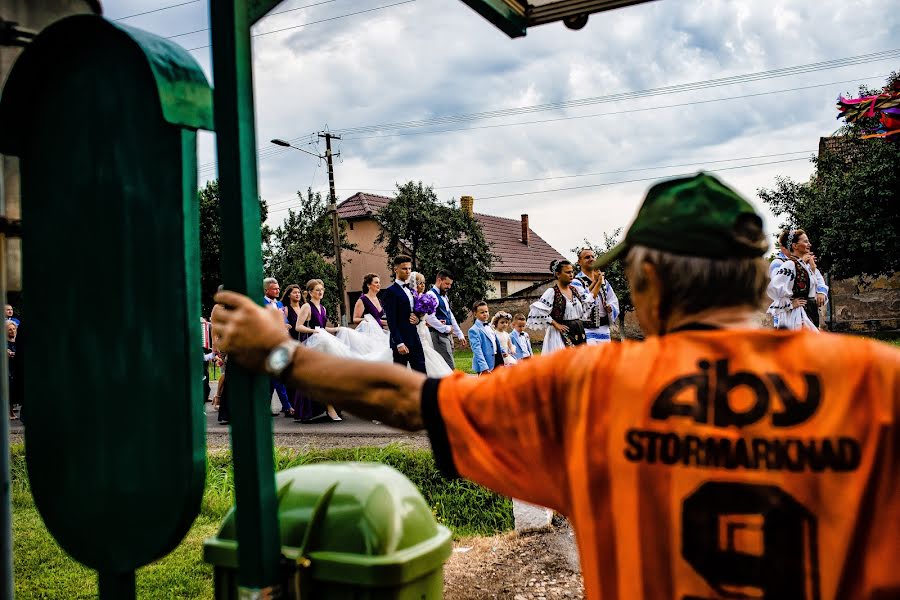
x,y
538,566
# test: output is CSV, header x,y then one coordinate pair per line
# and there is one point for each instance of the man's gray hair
x,y
268,281
691,284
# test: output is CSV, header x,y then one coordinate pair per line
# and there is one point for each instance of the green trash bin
x,y
359,531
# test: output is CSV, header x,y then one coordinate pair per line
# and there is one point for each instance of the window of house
x,y
504,289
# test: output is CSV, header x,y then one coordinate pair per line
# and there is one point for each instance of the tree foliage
x,y
615,272
849,207
211,242
302,245
438,235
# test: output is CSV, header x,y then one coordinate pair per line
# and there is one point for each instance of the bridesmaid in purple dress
x,y
312,316
368,303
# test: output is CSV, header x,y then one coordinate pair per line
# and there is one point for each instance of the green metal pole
x,y
248,396
116,586
6,560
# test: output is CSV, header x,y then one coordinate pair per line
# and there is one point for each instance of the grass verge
x,y
43,570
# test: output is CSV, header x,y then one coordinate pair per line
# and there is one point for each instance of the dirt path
x,y
540,566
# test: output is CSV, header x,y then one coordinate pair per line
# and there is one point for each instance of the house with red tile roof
x,y
523,257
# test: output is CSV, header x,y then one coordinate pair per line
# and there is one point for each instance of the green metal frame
x,y
256,503
511,22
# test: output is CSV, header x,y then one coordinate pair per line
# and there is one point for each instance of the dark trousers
x,y
812,310
221,392
278,387
415,359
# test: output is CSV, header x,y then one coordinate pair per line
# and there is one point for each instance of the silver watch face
x,y
278,360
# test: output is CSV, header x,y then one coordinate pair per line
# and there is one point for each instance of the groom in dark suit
x,y
398,310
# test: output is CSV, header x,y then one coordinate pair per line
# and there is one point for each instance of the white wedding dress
x,y
371,343
435,365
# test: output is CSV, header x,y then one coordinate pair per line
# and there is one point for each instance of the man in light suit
x,y
485,349
398,310
521,341
442,324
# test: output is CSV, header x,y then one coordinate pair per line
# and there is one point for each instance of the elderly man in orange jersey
x,y
715,459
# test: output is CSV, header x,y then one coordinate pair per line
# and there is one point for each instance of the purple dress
x,y
369,309
304,406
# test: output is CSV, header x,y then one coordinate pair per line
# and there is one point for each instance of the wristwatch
x,y
280,357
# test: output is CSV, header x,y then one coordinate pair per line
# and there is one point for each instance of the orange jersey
x,y
701,464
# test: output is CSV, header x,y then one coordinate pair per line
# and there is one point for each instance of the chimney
x,y
525,229
467,204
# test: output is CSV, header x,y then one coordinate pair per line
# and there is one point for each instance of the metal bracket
x,y
10,35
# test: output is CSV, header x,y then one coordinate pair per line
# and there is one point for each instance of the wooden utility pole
x,y
335,226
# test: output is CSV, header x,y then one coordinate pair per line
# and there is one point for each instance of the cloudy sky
x,y
423,60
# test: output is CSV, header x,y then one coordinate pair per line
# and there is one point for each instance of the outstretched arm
x,y
387,393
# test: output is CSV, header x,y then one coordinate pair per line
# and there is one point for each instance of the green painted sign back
x,y
104,121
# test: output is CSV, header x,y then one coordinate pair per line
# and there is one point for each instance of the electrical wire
x,y
155,10
255,35
609,113
596,185
272,14
678,88
653,168
593,115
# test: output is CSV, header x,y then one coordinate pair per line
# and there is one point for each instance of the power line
x,y
278,12
206,166
316,22
604,114
266,151
595,185
595,174
155,10
678,88
653,168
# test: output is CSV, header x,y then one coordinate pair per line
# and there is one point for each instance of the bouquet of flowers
x,y
424,304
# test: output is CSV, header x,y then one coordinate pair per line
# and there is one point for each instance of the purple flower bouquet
x,y
424,304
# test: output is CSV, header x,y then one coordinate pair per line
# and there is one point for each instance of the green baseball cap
x,y
694,216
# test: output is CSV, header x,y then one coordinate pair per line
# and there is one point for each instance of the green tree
x,y
302,245
211,242
438,235
850,207
614,273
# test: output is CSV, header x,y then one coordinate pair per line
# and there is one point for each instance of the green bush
x,y
43,570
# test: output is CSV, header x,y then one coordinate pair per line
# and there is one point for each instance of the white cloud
x,y
435,58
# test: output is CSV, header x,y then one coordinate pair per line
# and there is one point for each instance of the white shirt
x,y
436,324
522,341
409,294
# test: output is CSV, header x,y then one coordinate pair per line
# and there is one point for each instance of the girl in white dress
x,y
500,324
559,311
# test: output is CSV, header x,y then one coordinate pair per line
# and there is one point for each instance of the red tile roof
x,y
504,236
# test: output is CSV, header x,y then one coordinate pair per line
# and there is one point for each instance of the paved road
x,y
349,433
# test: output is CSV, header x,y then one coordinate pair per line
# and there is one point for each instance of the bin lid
x,y
377,528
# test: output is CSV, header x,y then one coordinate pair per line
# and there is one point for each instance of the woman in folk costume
x,y
793,283
559,310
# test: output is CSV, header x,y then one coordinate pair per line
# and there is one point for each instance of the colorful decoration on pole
x,y
884,106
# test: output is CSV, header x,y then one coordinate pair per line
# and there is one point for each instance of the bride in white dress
x,y
370,342
435,365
